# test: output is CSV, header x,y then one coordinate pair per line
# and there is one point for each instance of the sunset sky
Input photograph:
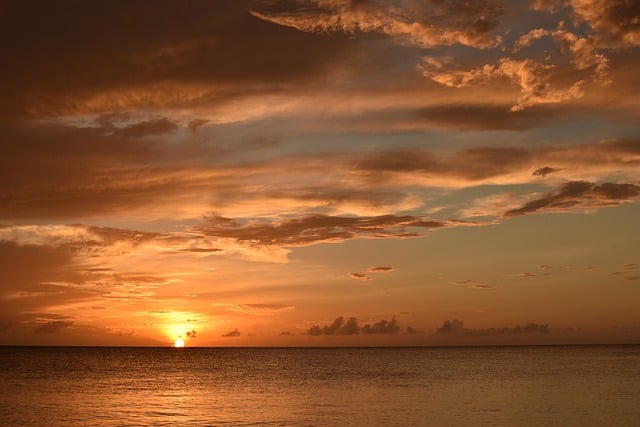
x,y
319,172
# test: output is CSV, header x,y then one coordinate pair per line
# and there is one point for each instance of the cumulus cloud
x,y
616,22
231,334
53,326
529,38
192,333
580,195
352,327
456,327
532,78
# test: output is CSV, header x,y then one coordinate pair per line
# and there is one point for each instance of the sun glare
x,y
179,343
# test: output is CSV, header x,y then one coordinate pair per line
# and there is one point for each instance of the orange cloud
x,y
425,24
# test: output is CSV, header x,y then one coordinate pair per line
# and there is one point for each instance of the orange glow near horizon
x,y
178,343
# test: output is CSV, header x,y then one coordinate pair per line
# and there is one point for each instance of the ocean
x,y
454,386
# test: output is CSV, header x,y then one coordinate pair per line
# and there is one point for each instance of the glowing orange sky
x,y
316,172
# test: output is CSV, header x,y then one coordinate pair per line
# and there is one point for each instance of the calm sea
x,y
502,386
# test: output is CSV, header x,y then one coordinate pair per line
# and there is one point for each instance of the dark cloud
x,y
201,250
231,334
192,333
68,58
482,116
472,164
63,171
53,326
544,171
37,277
352,327
457,327
580,194
382,327
311,229
359,276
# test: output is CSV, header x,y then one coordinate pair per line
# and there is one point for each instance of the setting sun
x,y
179,343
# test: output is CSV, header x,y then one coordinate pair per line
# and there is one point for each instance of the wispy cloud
x,y
580,195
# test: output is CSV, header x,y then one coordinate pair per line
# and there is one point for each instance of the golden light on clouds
x,y
157,183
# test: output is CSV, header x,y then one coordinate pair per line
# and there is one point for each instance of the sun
x,y
179,343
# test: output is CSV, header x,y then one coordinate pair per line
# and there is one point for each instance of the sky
x,y
319,172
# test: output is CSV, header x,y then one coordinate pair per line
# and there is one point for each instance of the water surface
x,y
511,386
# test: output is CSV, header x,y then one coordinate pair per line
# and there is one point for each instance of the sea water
x,y
475,386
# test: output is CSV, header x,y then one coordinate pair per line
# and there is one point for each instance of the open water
x,y
477,386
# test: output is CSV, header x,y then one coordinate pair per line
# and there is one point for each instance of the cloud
x,y
420,23
146,128
359,276
53,326
525,275
530,37
352,327
381,269
258,308
472,284
456,327
382,327
231,334
163,54
545,5
533,79
193,178
313,229
373,270
192,333
582,195
36,278
616,22
544,171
